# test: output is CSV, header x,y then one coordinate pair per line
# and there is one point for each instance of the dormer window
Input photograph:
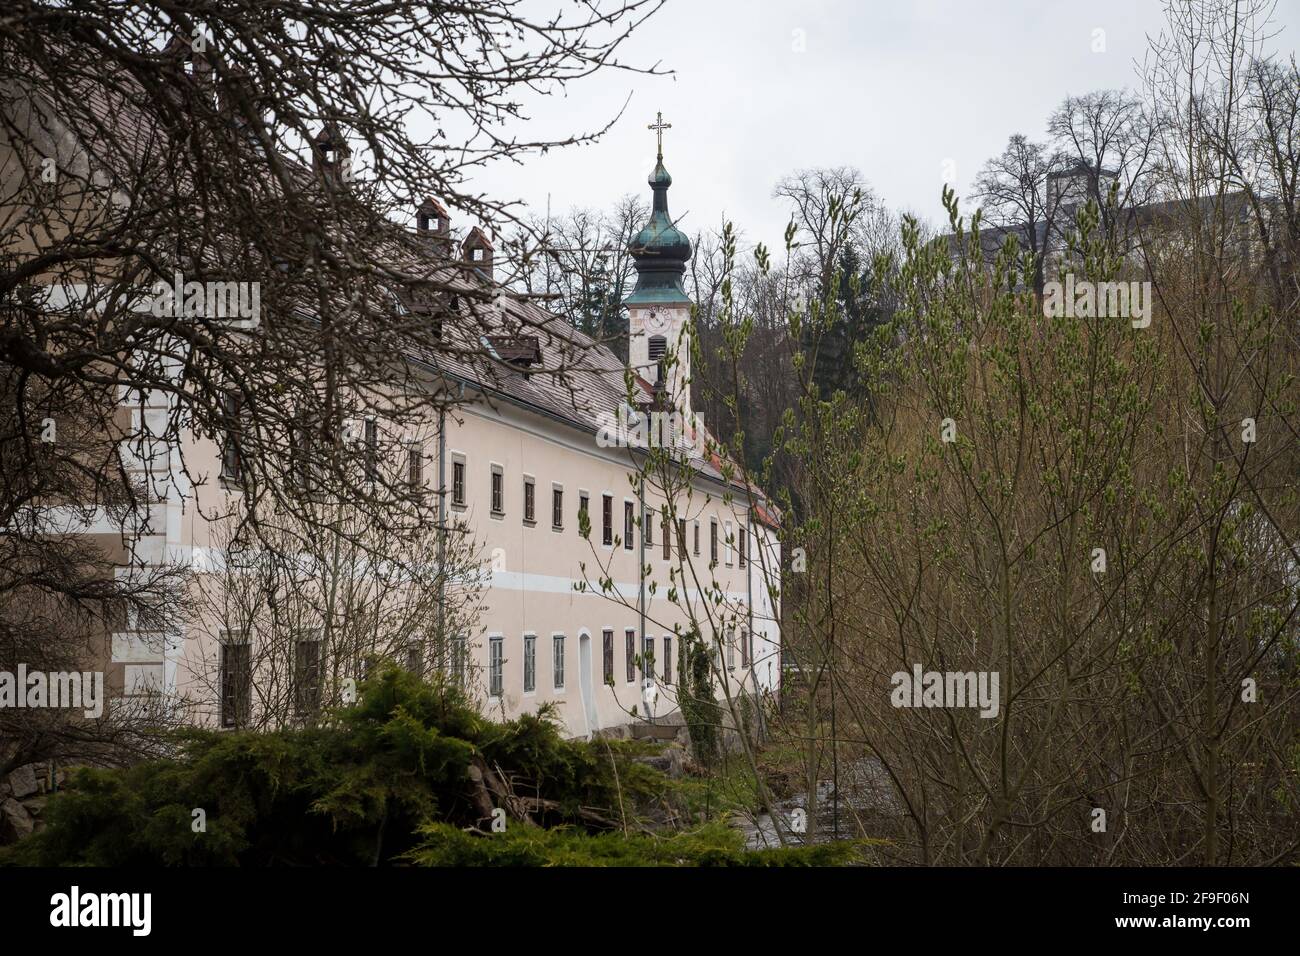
x,y
476,255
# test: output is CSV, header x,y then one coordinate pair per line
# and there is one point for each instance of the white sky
x,y
896,88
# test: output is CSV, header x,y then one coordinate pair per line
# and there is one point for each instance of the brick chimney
x,y
331,157
477,251
432,221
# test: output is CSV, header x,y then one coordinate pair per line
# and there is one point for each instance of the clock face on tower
x,y
657,320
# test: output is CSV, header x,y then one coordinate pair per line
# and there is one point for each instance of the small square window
x,y
530,501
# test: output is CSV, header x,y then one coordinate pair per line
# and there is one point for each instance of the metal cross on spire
x,y
659,126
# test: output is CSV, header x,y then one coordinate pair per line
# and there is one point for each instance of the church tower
x,y
659,310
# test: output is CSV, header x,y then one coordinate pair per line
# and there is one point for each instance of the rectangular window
x,y
648,657
415,657
230,464
530,501
630,647
681,538
236,681
557,508
303,455
668,660
667,534
744,647
372,450
415,466
713,540
727,543
496,665
582,510
743,536
530,663
629,524
458,483
458,659
607,519
648,529
731,650
607,656
498,491
306,677
697,539
559,661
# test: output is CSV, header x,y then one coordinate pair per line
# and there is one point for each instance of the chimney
x,y
238,99
330,156
432,221
477,250
193,55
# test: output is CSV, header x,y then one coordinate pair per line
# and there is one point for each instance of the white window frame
x,y
459,458
556,486
497,470
497,640
607,496
558,675
523,501
530,636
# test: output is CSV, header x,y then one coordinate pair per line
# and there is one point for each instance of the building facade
x,y
591,623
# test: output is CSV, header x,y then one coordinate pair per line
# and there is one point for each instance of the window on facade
x,y
713,541
530,663
731,650
306,676
559,661
236,681
498,491
741,545
372,450
415,657
458,483
648,529
667,535
697,539
744,647
648,657
582,510
230,464
557,508
607,656
496,665
607,519
668,660
458,649
629,522
304,462
727,544
530,501
415,466
658,347
681,538
629,642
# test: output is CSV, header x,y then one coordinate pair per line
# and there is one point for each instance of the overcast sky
x,y
897,88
